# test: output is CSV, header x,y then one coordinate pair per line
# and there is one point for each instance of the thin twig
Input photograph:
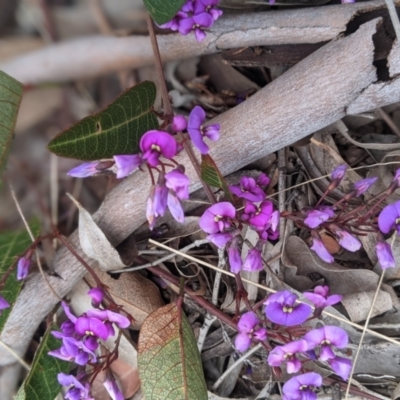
x,y
393,16
196,243
17,357
235,364
353,367
28,228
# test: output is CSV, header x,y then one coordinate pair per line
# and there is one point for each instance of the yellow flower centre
x,y
287,309
156,147
217,218
326,341
397,221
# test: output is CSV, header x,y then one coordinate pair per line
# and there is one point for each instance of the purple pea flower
x,y
217,218
196,23
77,390
91,326
84,170
281,308
321,298
316,217
3,304
253,261
110,316
302,387
155,144
362,186
234,257
326,337
339,172
341,366
385,255
348,1
23,268
177,181
347,240
179,123
389,218
174,23
175,207
208,6
126,164
160,200
319,247
113,389
248,189
263,180
74,350
287,353
97,296
258,216
246,325
197,131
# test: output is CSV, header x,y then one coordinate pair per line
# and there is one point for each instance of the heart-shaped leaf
x,y
12,244
41,383
115,130
169,362
10,99
212,175
163,11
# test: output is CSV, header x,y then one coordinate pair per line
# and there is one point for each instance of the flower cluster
x,y
171,187
195,16
283,309
81,337
344,222
222,223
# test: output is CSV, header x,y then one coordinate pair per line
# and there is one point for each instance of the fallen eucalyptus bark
x,y
313,94
98,55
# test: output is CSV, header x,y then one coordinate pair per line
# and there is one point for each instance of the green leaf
x,y
115,130
168,360
41,383
10,99
12,244
211,175
163,11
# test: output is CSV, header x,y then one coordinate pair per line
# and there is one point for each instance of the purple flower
x,y
339,172
179,123
97,296
348,1
197,131
320,297
23,268
385,255
126,164
175,207
110,316
217,218
302,387
196,23
341,366
316,217
77,391
396,178
246,325
287,353
234,257
258,216
91,326
263,180
253,261
84,170
248,190
281,308
389,218
347,240
74,350
319,247
155,144
174,23
326,337
113,389
208,6
3,304
150,213
177,181
362,186
160,198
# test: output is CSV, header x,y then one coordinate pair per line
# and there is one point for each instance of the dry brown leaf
x,y
138,295
94,243
352,283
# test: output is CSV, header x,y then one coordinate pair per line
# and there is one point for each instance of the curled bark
x,y
98,55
